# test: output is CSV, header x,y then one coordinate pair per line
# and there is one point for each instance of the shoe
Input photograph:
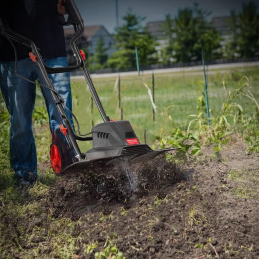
x,y
27,181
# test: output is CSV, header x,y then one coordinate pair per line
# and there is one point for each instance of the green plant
x,y
253,142
124,212
5,179
187,143
40,115
230,117
195,217
110,252
90,248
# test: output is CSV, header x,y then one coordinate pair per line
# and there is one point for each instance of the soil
x,y
213,213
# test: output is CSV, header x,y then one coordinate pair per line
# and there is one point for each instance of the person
x,y
36,20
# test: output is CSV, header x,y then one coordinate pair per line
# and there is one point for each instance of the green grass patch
x,y
175,98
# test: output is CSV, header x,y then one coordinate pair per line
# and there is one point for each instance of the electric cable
x,y
59,96
77,123
15,72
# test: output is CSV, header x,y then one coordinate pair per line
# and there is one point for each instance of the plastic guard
x,y
55,159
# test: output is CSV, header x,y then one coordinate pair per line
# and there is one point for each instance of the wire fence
x,y
155,102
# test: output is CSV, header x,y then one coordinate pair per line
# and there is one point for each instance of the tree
x,y
245,28
167,52
191,28
129,36
98,60
100,56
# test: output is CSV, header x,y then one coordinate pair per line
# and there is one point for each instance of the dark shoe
x,y
25,182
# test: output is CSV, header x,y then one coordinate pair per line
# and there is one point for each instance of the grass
x,y
175,98
246,183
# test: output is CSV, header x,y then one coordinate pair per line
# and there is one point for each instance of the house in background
x,y
90,39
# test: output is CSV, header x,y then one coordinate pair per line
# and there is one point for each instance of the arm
x,y
61,7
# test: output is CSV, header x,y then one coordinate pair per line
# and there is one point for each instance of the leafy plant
x,y
110,252
4,145
40,115
230,119
187,143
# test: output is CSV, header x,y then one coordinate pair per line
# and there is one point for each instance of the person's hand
x,y
61,7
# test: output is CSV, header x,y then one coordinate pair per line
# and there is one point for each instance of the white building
x,y
90,39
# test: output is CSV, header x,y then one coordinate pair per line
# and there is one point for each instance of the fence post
x,y
145,136
153,93
121,114
92,108
137,60
205,85
119,91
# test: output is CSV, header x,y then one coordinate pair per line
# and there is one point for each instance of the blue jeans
x,y
19,96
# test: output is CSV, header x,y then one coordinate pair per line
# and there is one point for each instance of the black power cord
x,y
59,96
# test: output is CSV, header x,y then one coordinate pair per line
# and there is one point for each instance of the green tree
x,y
100,56
129,36
167,52
245,29
191,28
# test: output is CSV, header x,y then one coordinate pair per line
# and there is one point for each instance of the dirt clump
x,y
101,185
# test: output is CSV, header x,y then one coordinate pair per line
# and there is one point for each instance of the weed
x,y
199,246
90,248
195,217
103,218
243,192
230,118
110,251
158,201
40,115
124,212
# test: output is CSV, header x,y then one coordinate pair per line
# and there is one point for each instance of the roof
x,y
89,31
156,28
221,23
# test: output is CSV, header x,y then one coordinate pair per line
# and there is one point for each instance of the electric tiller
x,y
112,140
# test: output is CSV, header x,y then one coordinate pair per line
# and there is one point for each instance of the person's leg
x,y
19,96
61,83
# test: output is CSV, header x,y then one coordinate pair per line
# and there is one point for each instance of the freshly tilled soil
x,y
214,214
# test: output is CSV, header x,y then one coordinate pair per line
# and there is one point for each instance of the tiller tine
x,y
129,159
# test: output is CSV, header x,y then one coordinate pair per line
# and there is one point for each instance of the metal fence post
x,y
92,108
119,91
153,93
137,60
121,114
205,85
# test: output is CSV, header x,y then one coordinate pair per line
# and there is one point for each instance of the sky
x,y
103,12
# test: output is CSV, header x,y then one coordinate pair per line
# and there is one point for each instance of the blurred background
x,y
152,62
166,32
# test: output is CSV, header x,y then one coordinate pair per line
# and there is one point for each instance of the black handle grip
x,y
74,17
72,10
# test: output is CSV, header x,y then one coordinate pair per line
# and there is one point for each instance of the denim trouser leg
x,y
19,96
61,83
